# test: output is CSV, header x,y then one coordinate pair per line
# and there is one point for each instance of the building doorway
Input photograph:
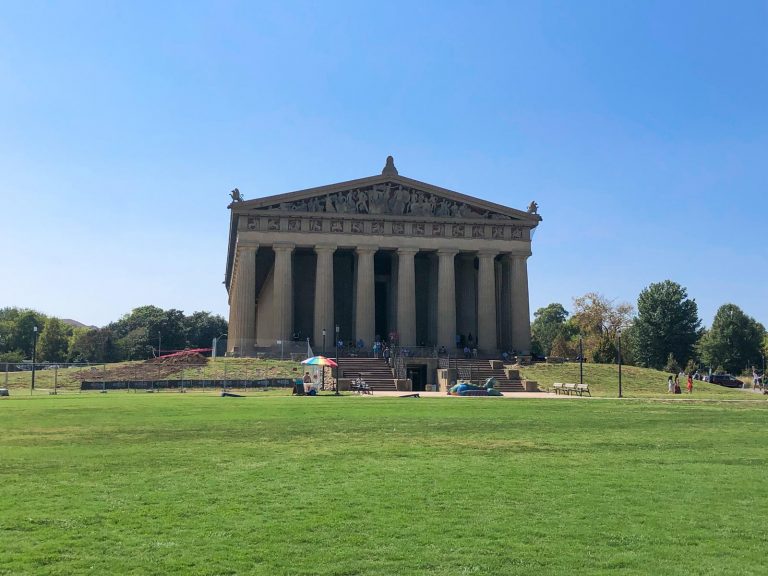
x,y
417,373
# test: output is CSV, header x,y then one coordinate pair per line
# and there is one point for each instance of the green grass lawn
x,y
196,484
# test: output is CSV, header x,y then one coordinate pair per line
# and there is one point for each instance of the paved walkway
x,y
508,395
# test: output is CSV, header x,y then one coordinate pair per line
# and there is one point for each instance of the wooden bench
x,y
569,388
582,389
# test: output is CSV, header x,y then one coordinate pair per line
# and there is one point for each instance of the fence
x,y
157,374
158,385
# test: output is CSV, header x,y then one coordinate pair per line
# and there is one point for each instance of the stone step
x,y
375,371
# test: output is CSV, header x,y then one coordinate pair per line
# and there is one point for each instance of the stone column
x,y
323,295
244,302
505,303
365,296
406,296
283,291
486,302
521,316
446,298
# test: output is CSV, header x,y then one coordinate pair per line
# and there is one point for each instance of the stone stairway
x,y
479,370
374,371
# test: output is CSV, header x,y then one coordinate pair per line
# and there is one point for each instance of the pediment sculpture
x,y
387,199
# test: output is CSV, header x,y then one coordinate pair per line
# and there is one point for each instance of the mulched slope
x,y
152,369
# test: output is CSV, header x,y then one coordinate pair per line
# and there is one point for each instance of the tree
x,y
54,341
599,320
547,324
135,345
667,323
606,351
202,327
734,341
140,331
88,345
671,366
22,332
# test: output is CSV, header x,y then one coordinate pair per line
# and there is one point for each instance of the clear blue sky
x,y
640,128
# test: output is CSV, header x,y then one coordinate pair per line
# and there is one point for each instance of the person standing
x,y
689,385
670,385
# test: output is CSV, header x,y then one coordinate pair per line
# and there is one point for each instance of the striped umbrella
x,y
319,361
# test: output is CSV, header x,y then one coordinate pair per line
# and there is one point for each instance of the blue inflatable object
x,y
464,389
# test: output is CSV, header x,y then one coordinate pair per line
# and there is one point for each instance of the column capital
x,y
447,251
487,253
325,248
283,247
511,256
247,247
367,249
407,251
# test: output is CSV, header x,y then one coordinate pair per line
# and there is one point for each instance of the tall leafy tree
x,y
547,324
734,341
667,323
202,328
599,321
22,333
148,327
54,341
88,345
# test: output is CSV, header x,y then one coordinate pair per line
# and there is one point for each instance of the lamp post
x,y
322,380
34,357
159,344
215,346
581,360
619,333
337,360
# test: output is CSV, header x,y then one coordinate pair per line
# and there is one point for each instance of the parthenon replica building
x,y
384,256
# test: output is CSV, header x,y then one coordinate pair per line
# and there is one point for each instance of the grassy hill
x,y
221,368
603,380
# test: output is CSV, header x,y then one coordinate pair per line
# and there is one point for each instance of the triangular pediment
x,y
385,195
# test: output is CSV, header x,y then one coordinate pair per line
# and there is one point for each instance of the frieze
x,y
395,228
387,199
